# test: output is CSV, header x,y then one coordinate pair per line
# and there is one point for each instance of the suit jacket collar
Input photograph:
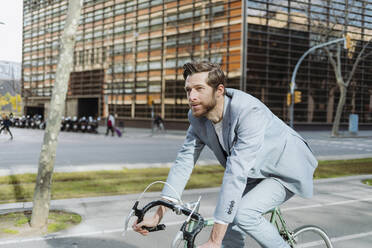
x,y
226,123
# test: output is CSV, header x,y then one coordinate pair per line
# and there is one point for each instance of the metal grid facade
x,y
136,49
140,45
280,32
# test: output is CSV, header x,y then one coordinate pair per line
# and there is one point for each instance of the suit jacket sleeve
x,y
181,170
249,136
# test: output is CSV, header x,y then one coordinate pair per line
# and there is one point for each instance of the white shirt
x,y
218,129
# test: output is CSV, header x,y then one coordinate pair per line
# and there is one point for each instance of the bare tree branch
x,y
331,59
366,55
338,56
357,61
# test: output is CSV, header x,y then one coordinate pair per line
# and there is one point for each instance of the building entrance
x,y
88,107
31,111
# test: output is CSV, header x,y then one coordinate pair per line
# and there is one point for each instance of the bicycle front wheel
x,y
311,236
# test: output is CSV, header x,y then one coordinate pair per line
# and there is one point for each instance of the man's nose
x,y
192,95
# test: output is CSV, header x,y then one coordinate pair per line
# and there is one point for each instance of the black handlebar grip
x,y
155,228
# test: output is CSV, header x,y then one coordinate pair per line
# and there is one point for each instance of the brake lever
x,y
159,227
130,215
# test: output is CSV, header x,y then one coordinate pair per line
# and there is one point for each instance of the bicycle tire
x,y
179,243
311,236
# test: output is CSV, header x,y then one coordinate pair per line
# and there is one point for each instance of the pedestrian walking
x,y
6,124
110,124
158,123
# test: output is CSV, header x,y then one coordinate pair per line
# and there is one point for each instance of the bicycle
x,y
304,236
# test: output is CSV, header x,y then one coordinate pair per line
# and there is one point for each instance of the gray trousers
x,y
259,197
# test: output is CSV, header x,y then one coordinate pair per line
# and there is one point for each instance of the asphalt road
x,y
138,148
78,150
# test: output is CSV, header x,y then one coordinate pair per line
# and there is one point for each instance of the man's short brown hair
x,y
215,74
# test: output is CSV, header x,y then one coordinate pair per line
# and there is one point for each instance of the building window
x,y
155,65
143,26
142,45
142,66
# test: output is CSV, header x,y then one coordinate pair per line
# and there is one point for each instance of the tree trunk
x,y
340,107
310,108
330,104
41,200
353,105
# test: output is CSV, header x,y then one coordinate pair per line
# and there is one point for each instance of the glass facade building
x,y
129,55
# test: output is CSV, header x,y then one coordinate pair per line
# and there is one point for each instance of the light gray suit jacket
x,y
258,145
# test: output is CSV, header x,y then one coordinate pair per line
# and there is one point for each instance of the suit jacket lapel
x,y
226,124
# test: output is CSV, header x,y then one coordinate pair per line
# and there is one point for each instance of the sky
x,y
11,31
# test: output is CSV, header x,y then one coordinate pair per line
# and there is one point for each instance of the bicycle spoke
x,y
180,244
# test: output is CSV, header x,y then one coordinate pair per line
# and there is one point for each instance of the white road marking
x,y
327,204
352,236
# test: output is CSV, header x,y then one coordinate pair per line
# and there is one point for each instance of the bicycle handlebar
x,y
189,236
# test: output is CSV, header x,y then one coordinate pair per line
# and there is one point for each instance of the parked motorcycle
x,y
92,125
38,119
32,122
75,124
83,123
67,124
62,123
22,122
16,122
27,121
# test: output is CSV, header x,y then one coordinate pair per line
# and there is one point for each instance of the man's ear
x,y
220,89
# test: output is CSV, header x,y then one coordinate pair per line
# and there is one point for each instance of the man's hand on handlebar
x,y
148,222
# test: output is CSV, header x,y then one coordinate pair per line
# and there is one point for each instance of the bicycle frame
x,y
276,219
280,224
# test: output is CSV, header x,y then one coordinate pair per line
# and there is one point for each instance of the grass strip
x,y
340,168
368,182
20,188
18,222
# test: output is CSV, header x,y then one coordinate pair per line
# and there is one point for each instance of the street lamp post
x,y
293,80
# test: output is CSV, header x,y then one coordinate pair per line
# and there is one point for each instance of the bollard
x,y
353,124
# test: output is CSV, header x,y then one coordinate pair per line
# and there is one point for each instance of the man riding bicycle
x,y
266,162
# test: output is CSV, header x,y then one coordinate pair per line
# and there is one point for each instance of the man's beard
x,y
206,108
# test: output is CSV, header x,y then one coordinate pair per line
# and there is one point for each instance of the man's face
x,y
201,96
